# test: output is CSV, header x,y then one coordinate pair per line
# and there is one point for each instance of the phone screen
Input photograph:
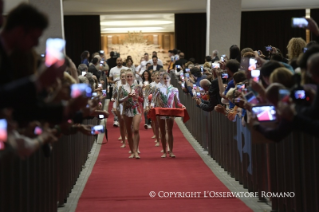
x,y
300,94
94,94
265,113
240,87
201,69
215,65
284,94
198,94
255,75
252,64
268,48
3,130
101,116
225,76
37,131
187,70
83,73
97,129
54,52
187,75
101,52
194,87
305,49
299,22
104,92
222,59
80,89
183,86
251,98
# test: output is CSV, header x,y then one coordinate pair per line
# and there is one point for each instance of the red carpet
x,y
121,184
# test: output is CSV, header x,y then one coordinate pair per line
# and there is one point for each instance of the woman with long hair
x,y
234,53
165,96
146,80
119,106
131,96
85,56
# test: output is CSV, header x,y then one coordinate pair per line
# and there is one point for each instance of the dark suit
x,y
180,62
158,67
92,69
214,97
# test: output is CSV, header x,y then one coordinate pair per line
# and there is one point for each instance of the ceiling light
x,y
134,23
132,28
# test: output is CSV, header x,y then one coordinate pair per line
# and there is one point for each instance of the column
x,y
54,11
223,25
155,39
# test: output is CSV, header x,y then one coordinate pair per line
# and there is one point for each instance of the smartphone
x,y
300,94
3,130
101,116
97,129
200,89
284,95
43,55
94,94
215,65
255,75
305,49
54,52
81,89
187,70
224,75
240,87
252,64
194,87
101,52
198,94
201,69
100,85
264,112
187,75
183,86
104,92
37,131
178,66
181,74
222,59
223,56
299,22
268,48
183,79
251,98
83,73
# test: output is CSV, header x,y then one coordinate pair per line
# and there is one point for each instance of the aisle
x,y
121,184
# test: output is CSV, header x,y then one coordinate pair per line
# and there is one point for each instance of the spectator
x,y
155,66
159,61
82,69
214,56
85,57
213,95
93,69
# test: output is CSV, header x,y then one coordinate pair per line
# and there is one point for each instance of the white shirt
x,y
116,72
159,62
176,57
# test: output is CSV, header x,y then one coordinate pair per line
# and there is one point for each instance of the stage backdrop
x,y
190,35
262,28
82,33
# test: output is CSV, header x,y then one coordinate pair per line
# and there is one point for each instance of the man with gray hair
x,y
213,93
81,69
215,56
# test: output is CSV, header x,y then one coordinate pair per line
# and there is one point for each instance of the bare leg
x,y
157,133
170,123
136,134
163,137
122,129
128,123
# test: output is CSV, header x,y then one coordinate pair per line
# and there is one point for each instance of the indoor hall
x,y
234,87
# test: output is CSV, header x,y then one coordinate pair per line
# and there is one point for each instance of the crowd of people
x,y
42,96
45,99
273,94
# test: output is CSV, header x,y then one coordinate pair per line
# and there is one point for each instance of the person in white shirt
x,y
159,62
114,76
